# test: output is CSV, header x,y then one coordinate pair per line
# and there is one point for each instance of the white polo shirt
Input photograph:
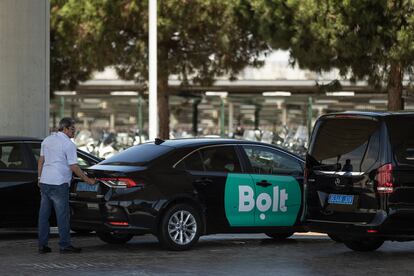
x,y
59,153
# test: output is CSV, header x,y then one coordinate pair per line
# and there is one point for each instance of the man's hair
x,y
66,123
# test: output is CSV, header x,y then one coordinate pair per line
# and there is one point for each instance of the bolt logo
x,y
249,204
263,201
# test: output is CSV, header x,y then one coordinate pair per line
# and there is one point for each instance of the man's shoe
x,y
44,249
70,249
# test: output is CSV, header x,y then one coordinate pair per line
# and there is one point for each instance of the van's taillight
x,y
384,179
120,182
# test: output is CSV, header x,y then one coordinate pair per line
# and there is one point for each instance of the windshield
x,y
348,145
138,155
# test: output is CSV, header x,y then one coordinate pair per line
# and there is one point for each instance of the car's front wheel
x,y
368,244
279,236
180,227
114,238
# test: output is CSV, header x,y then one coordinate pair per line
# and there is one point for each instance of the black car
x,y
19,193
181,189
359,178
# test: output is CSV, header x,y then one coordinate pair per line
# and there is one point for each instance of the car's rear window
x,y
138,155
401,131
345,144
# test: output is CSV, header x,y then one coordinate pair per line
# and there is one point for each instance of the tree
x,y
366,39
198,40
77,46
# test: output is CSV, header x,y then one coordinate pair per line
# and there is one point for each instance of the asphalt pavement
x,y
241,254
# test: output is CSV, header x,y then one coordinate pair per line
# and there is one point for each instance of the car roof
x,y
18,138
199,142
377,114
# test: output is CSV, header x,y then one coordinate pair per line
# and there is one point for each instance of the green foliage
x,y
75,38
361,38
197,39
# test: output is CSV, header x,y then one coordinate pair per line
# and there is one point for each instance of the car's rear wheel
x,y
279,236
114,238
368,244
335,237
180,227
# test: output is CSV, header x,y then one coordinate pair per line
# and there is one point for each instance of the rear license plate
x,y
85,187
341,199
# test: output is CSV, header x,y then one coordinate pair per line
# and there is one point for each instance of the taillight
x,y
384,179
120,182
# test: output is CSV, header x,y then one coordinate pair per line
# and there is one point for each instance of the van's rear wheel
x,y
335,238
114,238
368,244
279,236
180,227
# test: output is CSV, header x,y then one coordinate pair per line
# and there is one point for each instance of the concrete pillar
x,y
24,67
112,122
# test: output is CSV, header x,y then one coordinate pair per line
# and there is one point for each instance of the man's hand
x,y
91,181
75,168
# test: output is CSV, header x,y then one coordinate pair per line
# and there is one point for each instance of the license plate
x,y
341,199
85,187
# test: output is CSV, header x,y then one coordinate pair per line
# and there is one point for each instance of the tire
x,y
180,227
335,238
279,236
114,238
364,245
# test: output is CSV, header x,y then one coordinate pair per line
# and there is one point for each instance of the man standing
x,y
58,159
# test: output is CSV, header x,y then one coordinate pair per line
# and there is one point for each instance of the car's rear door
x,y
214,169
277,178
18,185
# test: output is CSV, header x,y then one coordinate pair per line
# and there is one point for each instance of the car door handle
x,y
263,183
203,181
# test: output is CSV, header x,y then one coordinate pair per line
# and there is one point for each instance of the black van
x,y
359,178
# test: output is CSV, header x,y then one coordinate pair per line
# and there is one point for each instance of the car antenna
x,y
159,141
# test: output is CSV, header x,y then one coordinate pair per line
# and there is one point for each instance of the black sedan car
x,y
19,193
181,189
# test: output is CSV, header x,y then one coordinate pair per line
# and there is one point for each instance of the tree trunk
x,y
163,109
395,88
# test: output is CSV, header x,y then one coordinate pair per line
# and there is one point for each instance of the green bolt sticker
x,y
275,203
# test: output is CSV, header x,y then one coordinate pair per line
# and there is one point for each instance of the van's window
x,y
401,131
349,145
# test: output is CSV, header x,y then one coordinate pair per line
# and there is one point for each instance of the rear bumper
x,y
397,224
122,217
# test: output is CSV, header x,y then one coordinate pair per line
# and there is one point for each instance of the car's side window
x,y
192,162
83,162
35,150
269,161
11,156
220,159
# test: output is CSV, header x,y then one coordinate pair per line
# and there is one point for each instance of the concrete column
x,y
112,122
24,67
